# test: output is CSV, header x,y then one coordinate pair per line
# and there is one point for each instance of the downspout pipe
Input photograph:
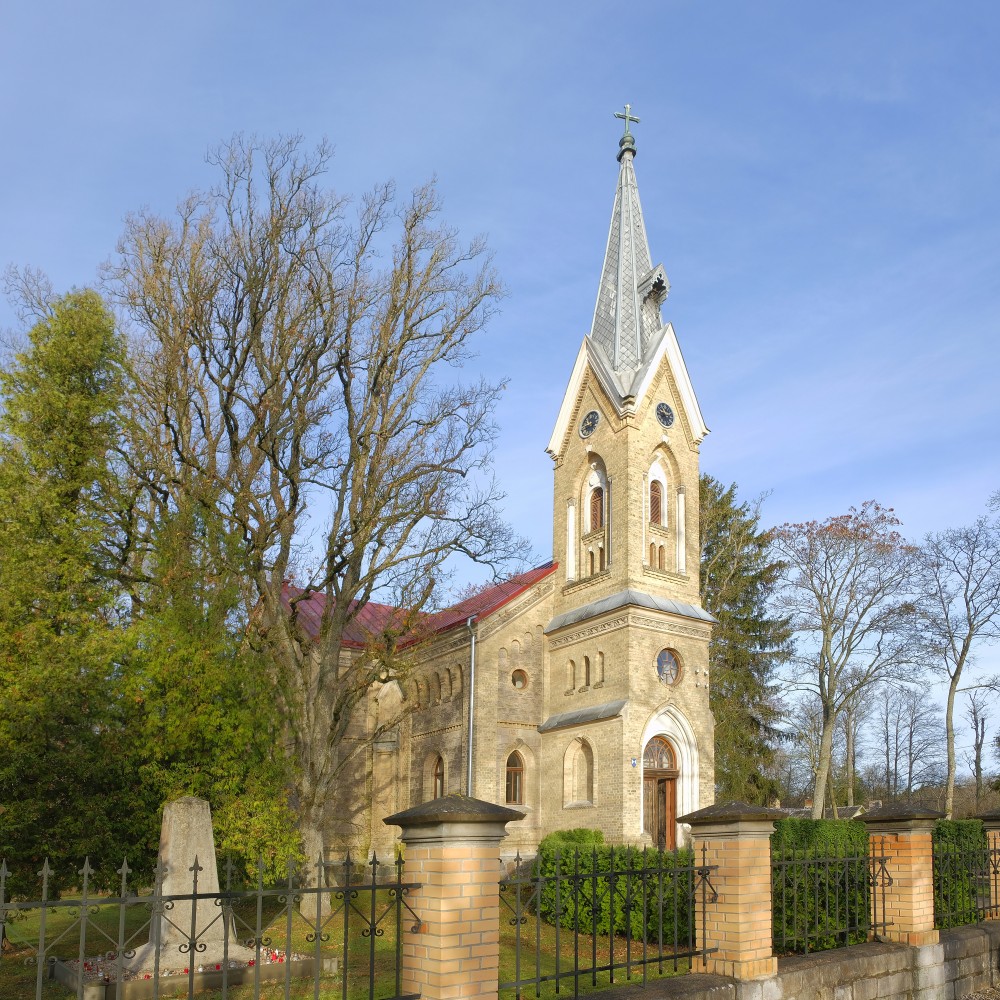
x,y
472,702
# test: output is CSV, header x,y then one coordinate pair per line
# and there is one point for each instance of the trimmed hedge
x,y
603,889
961,868
819,884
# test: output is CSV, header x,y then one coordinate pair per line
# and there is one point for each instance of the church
x,y
577,692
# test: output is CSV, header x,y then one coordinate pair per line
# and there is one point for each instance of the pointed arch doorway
x,y
659,793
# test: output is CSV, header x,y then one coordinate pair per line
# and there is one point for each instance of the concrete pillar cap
x,y
453,809
731,812
901,812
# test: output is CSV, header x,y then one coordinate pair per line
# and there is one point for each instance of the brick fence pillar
x,y
901,832
991,826
453,851
736,837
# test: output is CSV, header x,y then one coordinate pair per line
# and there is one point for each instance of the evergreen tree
x,y
737,578
125,678
65,757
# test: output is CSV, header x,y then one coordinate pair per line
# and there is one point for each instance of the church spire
x,y
627,314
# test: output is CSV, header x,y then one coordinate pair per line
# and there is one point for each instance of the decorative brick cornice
x,y
669,626
589,632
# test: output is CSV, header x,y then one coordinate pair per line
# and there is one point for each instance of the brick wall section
x,y
991,824
453,851
736,837
902,833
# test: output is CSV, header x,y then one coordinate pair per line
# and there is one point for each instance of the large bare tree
x,y
298,374
844,590
960,572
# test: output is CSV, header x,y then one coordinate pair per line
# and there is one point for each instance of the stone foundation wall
x,y
965,960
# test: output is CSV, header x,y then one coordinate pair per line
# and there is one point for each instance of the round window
x,y
519,679
668,668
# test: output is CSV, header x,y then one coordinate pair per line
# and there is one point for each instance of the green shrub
x,y
960,871
603,889
580,836
819,883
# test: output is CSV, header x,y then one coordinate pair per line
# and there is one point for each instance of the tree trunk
x,y
949,728
823,763
314,871
850,756
979,726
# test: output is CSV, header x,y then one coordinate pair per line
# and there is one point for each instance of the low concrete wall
x,y
966,960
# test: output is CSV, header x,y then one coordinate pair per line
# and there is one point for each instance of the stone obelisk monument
x,y
186,836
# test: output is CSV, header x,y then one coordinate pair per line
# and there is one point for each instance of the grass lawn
x,y
18,982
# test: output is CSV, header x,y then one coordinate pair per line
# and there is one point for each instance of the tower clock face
x,y
664,414
589,423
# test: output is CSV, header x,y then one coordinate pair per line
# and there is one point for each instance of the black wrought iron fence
x,y
606,912
827,897
342,938
966,879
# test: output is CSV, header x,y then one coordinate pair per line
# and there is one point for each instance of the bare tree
x,y
907,731
844,591
853,718
977,713
298,376
960,574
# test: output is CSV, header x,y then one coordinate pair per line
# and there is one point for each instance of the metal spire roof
x,y
627,314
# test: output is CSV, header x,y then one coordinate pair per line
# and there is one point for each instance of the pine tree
x,y
737,578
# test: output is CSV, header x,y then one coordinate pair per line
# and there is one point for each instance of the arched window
x,y
600,553
435,697
659,755
591,562
597,508
570,675
586,671
652,554
655,503
661,558
599,679
439,778
515,779
578,774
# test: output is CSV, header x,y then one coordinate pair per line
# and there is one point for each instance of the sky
x,y
819,181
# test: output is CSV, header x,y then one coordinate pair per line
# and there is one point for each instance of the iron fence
x,y
966,882
829,898
329,937
602,912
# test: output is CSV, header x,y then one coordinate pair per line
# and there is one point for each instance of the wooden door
x,y
659,794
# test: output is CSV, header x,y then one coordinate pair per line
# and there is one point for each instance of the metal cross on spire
x,y
628,117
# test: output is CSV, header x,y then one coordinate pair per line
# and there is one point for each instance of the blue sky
x,y
822,184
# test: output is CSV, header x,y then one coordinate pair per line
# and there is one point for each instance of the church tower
x,y
628,640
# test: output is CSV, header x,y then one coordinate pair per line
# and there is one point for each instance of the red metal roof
x,y
373,618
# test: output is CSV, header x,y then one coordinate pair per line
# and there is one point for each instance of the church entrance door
x,y
659,793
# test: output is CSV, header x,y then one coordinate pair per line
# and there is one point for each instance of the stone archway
x,y
659,793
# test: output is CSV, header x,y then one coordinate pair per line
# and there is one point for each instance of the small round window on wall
x,y
668,667
519,679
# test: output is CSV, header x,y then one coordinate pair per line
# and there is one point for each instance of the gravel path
x,y
988,994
